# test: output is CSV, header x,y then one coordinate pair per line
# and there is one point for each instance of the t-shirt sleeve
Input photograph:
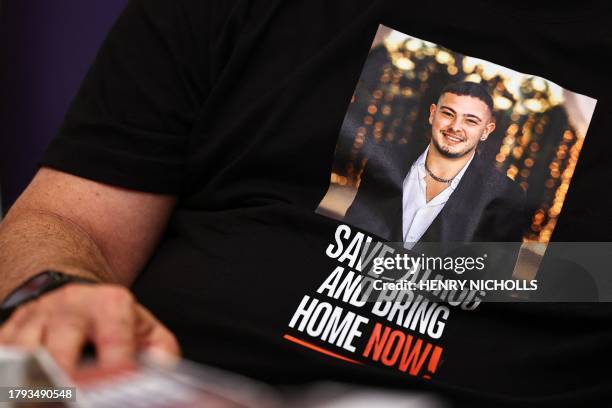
x,y
131,119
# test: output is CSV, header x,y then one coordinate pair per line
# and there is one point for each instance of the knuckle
x,y
117,296
21,318
173,341
69,294
22,311
115,338
69,321
165,333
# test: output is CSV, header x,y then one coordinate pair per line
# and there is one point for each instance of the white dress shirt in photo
x,y
418,214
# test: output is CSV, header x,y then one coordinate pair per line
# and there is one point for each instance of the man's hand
x,y
92,230
108,316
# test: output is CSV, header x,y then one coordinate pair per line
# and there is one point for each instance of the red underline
x,y
319,349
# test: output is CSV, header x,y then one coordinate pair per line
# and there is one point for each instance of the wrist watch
x,y
34,287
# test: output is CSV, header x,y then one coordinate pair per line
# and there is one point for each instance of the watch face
x,y
29,289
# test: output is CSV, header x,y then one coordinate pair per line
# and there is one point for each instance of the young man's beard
x,y
451,155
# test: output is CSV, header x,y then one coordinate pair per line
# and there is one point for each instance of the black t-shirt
x,y
236,107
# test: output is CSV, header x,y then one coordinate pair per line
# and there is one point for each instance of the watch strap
x,y
34,287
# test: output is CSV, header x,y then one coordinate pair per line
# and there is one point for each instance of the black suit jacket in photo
x,y
486,206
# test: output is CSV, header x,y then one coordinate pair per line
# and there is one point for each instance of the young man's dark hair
x,y
474,89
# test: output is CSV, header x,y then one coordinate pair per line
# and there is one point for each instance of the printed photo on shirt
x,y
437,146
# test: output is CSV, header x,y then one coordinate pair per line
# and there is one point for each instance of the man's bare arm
x,y
89,229
79,226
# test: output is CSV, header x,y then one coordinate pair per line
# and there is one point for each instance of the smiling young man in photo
x,y
448,193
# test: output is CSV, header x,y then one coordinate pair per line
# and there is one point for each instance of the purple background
x,y
46,47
